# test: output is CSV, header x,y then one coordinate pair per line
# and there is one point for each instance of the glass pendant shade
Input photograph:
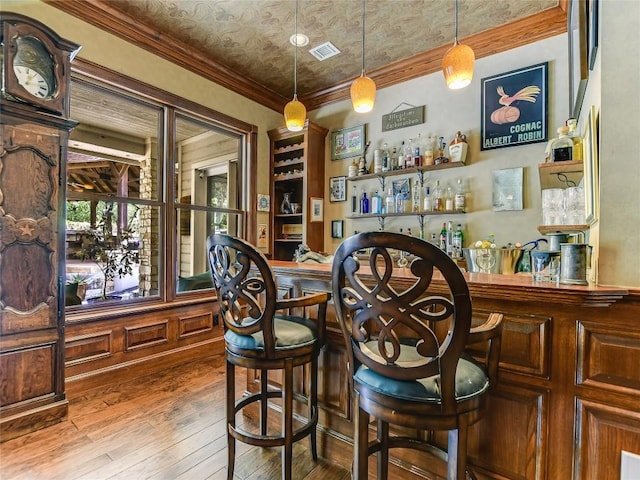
x,y
457,66
363,94
295,115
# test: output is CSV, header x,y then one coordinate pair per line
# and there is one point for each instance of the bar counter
x,y
566,404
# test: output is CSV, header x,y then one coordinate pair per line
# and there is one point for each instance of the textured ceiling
x,y
251,37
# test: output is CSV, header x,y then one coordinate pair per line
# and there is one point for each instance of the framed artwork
x,y
578,61
336,228
337,189
592,30
591,167
507,189
403,187
263,232
263,202
347,142
315,207
514,107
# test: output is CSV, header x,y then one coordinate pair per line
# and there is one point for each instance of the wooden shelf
x,y
407,171
560,174
402,214
546,229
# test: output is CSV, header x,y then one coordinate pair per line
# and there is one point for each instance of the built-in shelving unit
x,y
297,169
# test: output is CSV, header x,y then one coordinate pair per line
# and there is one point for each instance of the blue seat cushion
x,y
471,380
288,333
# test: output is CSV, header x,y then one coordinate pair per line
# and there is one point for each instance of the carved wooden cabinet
x,y
34,130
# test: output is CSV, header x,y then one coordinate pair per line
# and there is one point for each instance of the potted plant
x,y
115,255
75,290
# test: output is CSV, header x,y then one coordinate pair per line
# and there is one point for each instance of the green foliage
x,y
115,255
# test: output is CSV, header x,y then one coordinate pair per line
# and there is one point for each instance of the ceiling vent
x,y
324,51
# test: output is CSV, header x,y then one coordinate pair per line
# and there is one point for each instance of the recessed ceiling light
x,y
299,40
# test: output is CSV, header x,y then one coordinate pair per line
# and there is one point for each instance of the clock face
x,y
32,81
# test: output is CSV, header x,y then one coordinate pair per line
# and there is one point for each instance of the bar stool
x,y
406,349
258,335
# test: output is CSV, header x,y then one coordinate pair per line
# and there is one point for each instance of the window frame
x,y
173,107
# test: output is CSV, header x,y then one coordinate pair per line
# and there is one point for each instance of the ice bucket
x,y
483,260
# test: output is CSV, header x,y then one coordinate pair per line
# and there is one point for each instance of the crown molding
x,y
522,32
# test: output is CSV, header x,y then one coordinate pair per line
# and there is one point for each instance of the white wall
x,y
446,112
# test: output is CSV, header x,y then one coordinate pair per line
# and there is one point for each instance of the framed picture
x,y
578,61
263,202
403,187
515,107
592,30
336,228
591,167
315,207
507,189
347,142
263,233
337,189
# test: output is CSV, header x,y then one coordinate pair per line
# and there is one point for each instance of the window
x,y
149,177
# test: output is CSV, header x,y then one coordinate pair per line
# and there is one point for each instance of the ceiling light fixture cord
x,y
364,6
295,53
455,41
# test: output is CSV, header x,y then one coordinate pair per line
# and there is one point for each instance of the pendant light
x,y
457,64
363,89
294,112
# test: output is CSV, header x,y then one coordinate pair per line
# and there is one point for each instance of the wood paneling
x,y
609,357
145,336
84,348
31,373
603,432
195,325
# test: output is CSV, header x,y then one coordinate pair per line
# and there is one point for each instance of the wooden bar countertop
x,y
517,287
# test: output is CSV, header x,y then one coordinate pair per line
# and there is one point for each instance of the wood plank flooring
x,y
166,426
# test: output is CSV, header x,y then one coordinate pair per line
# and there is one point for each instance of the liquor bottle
x,y
354,200
441,158
408,155
376,203
430,144
353,168
394,159
417,158
386,160
389,201
458,242
437,202
448,199
426,203
364,204
562,147
401,157
400,204
416,203
434,239
449,240
443,237
577,153
458,148
460,199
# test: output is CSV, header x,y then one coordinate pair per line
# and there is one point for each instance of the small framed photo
x,y
315,207
337,189
347,142
263,202
403,187
336,228
263,233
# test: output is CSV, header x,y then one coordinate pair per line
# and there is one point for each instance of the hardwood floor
x,y
167,426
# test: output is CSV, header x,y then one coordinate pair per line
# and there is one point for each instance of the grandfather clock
x,y
34,127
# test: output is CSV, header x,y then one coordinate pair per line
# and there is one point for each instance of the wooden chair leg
x,y
287,420
360,440
264,401
312,405
231,418
383,454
